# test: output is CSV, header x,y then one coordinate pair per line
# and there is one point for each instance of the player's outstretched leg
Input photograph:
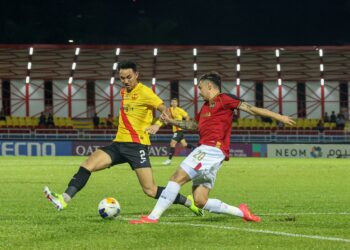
x,y
219,207
56,199
247,215
166,199
182,200
97,161
144,220
60,201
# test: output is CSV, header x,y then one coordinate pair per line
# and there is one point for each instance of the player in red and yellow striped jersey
x,y
130,144
136,114
177,114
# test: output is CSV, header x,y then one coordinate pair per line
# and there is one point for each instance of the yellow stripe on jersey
x,y
177,114
136,114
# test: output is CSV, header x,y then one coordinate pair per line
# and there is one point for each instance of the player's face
x,y
204,90
174,103
129,78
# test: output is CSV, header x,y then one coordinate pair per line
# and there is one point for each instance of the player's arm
x,y
244,106
184,124
186,117
156,126
161,108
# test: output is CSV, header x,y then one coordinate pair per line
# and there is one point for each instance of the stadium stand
x,y
60,123
301,124
245,130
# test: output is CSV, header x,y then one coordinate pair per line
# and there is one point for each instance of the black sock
x,y
180,199
190,146
78,181
171,152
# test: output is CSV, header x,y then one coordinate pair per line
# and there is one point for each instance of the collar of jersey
x,y
134,89
213,99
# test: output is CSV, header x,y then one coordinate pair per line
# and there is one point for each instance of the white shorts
x,y
203,164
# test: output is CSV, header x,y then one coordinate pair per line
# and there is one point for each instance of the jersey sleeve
x,y
232,101
184,114
153,99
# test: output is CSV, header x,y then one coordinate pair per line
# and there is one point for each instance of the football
x,y
109,208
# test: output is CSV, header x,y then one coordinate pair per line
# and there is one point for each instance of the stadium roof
x,y
95,62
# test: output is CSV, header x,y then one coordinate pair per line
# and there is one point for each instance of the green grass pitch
x,y
304,204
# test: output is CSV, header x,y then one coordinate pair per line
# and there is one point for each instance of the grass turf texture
x,y
303,197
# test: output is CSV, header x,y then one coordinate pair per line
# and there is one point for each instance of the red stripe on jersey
x,y
171,113
199,165
134,136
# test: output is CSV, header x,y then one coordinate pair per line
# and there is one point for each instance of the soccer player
x,y
177,114
214,123
130,144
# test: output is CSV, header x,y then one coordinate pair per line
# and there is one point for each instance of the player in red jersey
x,y
214,123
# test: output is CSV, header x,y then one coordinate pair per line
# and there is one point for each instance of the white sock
x,y
165,200
66,197
219,207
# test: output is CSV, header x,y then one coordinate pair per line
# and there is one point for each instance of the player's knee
x,y
88,165
151,192
180,177
200,201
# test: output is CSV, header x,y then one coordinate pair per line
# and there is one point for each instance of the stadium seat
x,y
15,122
240,123
68,123
56,121
329,125
22,122
80,124
60,122
35,121
300,123
28,122
9,122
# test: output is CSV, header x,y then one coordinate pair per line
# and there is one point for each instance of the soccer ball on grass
x,y
109,208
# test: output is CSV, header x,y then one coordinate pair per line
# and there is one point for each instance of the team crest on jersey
x,y
134,96
212,105
127,108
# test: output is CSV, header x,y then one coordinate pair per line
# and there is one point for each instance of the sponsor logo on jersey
x,y
207,114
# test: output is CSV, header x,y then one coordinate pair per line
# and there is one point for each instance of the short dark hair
x,y
213,77
127,65
174,98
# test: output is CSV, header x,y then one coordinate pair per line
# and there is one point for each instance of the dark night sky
x,y
206,22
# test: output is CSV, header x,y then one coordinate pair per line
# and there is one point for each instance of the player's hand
x,y
164,117
287,120
152,129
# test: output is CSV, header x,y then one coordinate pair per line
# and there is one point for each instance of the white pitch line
x,y
272,214
316,237
311,213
